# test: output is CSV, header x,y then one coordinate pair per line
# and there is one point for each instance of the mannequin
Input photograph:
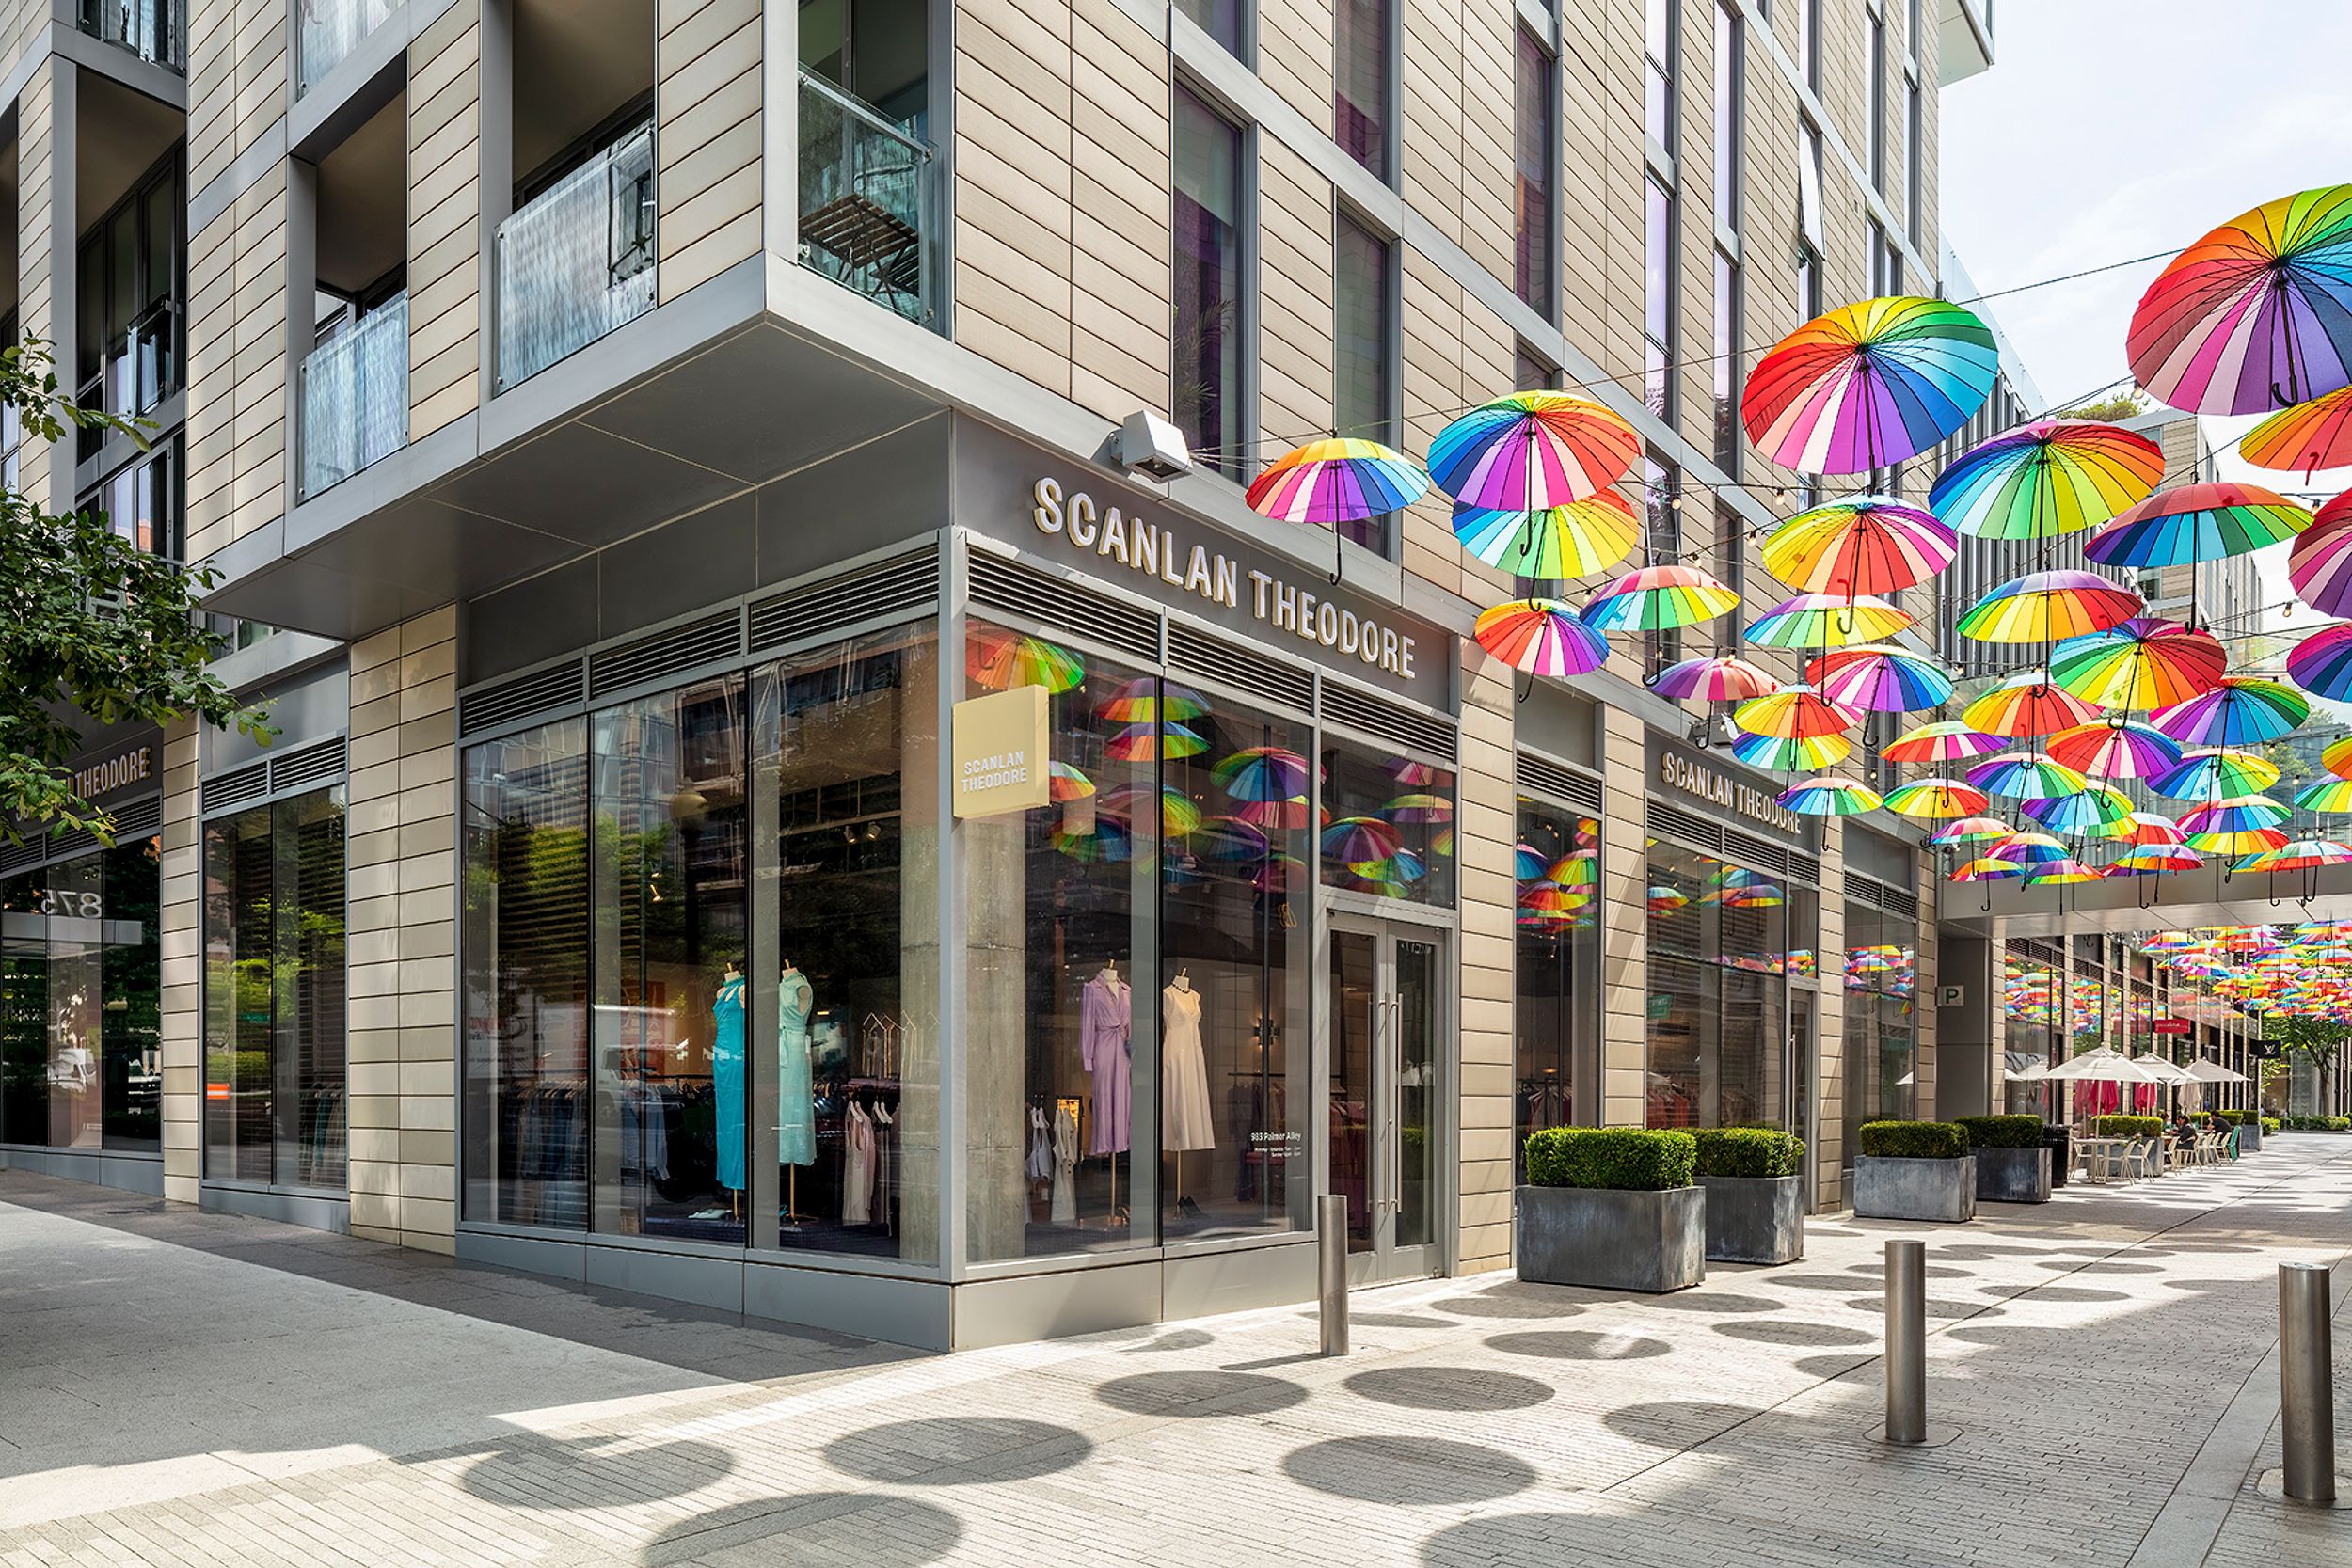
x,y
726,1080
1184,1078
1105,1041
795,1114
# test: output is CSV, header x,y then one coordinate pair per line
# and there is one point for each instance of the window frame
x,y
1388,432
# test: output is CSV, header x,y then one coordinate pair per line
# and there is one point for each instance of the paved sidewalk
x,y
191,1389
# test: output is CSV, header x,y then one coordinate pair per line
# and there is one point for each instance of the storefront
x,y
1557,917
1000,933
1881,1078
81,983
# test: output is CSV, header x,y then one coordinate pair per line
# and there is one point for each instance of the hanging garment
x,y
857,1167
1183,1072
1065,1166
1107,1030
1040,1166
726,1078
796,1107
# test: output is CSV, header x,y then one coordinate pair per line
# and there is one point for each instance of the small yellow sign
x,y
1001,753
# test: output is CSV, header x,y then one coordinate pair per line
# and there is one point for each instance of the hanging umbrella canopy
x,y
1147,697
1793,713
2197,522
2319,563
2048,478
1065,782
2321,664
2336,758
2062,873
2331,796
2255,316
1878,677
2026,850
1154,743
2242,710
1863,545
1935,798
2025,776
1777,756
1944,741
1658,598
2116,749
1969,830
1230,838
1360,840
1551,542
1829,798
2150,828
1529,450
2094,813
2027,705
2049,607
2301,854
1987,871
2142,663
1544,637
1868,385
1825,620
2305,438
1341,480
2213,772
2235,814
1718,678
1262,773
2151,859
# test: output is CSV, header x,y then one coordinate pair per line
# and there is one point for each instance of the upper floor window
x,y
1810,189
1362,50
1658,73
1364,400
1225,20
151,29
1809,43
1206,398
1914,176
1730,113
142,502
332,29
1729,362
1658,299
1533,123
130,285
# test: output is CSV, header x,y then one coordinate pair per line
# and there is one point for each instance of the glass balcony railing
x,y
866,201
577,261
152,29
355,397
332,29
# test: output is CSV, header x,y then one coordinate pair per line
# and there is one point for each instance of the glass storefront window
x,y
276,993
1388,825
81,1014
2030,994
1556,971
1720,948
1880,1051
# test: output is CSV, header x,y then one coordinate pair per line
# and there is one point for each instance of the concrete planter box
x,y
1754,1219
2013,1175
1615,1240
2250,1137
1939,1190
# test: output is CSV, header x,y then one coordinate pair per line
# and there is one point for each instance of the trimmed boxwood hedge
x,y
2270,1124
2131,1127
1748,1151
2001,1131
2236,1118
1632,1159
1913,1140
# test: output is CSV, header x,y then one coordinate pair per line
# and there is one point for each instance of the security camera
x,y
1702,734
1150,446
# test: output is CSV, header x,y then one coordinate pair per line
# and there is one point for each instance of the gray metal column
x,y
1331,1271
1906,1341
2307,1409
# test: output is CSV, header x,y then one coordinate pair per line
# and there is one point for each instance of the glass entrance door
x,y
1387,1012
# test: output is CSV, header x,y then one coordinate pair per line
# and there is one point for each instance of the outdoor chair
x,y
2141,1157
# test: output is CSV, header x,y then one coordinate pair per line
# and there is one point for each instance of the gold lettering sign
x,y
114,774
1680,772
1000,752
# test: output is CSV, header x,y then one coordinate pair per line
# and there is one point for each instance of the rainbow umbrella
x,y
1276,815
1341,480
1581,869
1527,862
1944,741
2049,607
2115,750
1935,798
2142,663
2027,705
2255,316
2319,563
1825,620
1262,773
1865,544
1404,865
1361,841
2052,476
1775,754
2087,812
1154,743
2197,522
1544,637
1230,838
2333,795
1177,815
1657,598
1545,898
1970,829
1065,782
2242,710
1987,871
2025,776
1868,385
1000,661
2152,858
1529,450
1665,900
2148,828
1419,808
1718,678
1792,713
2305,438
1279,874
1553,542
2336,758
1878,677
2321,664
1147,698
2235,814
1108,840
2027,849
2062,873
2302,854
1825,797
2212,772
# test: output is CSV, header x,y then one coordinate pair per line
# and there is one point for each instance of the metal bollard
x,y
1906,1341
1331,1272
2307,1408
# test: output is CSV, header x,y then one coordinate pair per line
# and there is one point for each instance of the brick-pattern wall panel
x,y
707,110
236,430
1487,828
1433,389
180,942
212,425
1484,138
238,65
39,294
1429,102
1120,239
1014,146
445,219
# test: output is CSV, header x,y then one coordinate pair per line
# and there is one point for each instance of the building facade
x,y
701,404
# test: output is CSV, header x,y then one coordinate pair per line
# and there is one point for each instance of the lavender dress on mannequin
x,y
1106,1027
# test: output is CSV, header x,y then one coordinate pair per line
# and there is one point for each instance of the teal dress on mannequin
x,y
796,1112
726,1078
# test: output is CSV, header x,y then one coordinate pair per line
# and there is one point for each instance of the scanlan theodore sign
x,y
1676,771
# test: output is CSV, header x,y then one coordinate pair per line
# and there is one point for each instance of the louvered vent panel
x,y
20,857
1010,586
1245,667
868,594
139,819
559,686
234,789
1344,705
1805,868
2085,969
1680,826
1894,901
674,651
312,764
1761,853
1580,790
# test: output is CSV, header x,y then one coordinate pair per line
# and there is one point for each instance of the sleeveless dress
x,y
726,1079
857,1167
796,1110
1183,1073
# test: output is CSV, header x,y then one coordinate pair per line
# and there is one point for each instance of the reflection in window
x,y
1206,398
2030,1008
1359,82
1881,1033
1388,825
1718,955
1363,347
1220,19
1556,1011
1532,117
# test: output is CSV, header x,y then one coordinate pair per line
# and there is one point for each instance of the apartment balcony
x,y
869,213
1965,40
355,397
137,371
152,29
332,29
577,261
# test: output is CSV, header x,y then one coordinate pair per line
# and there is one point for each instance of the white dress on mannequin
x,y
1183,1072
